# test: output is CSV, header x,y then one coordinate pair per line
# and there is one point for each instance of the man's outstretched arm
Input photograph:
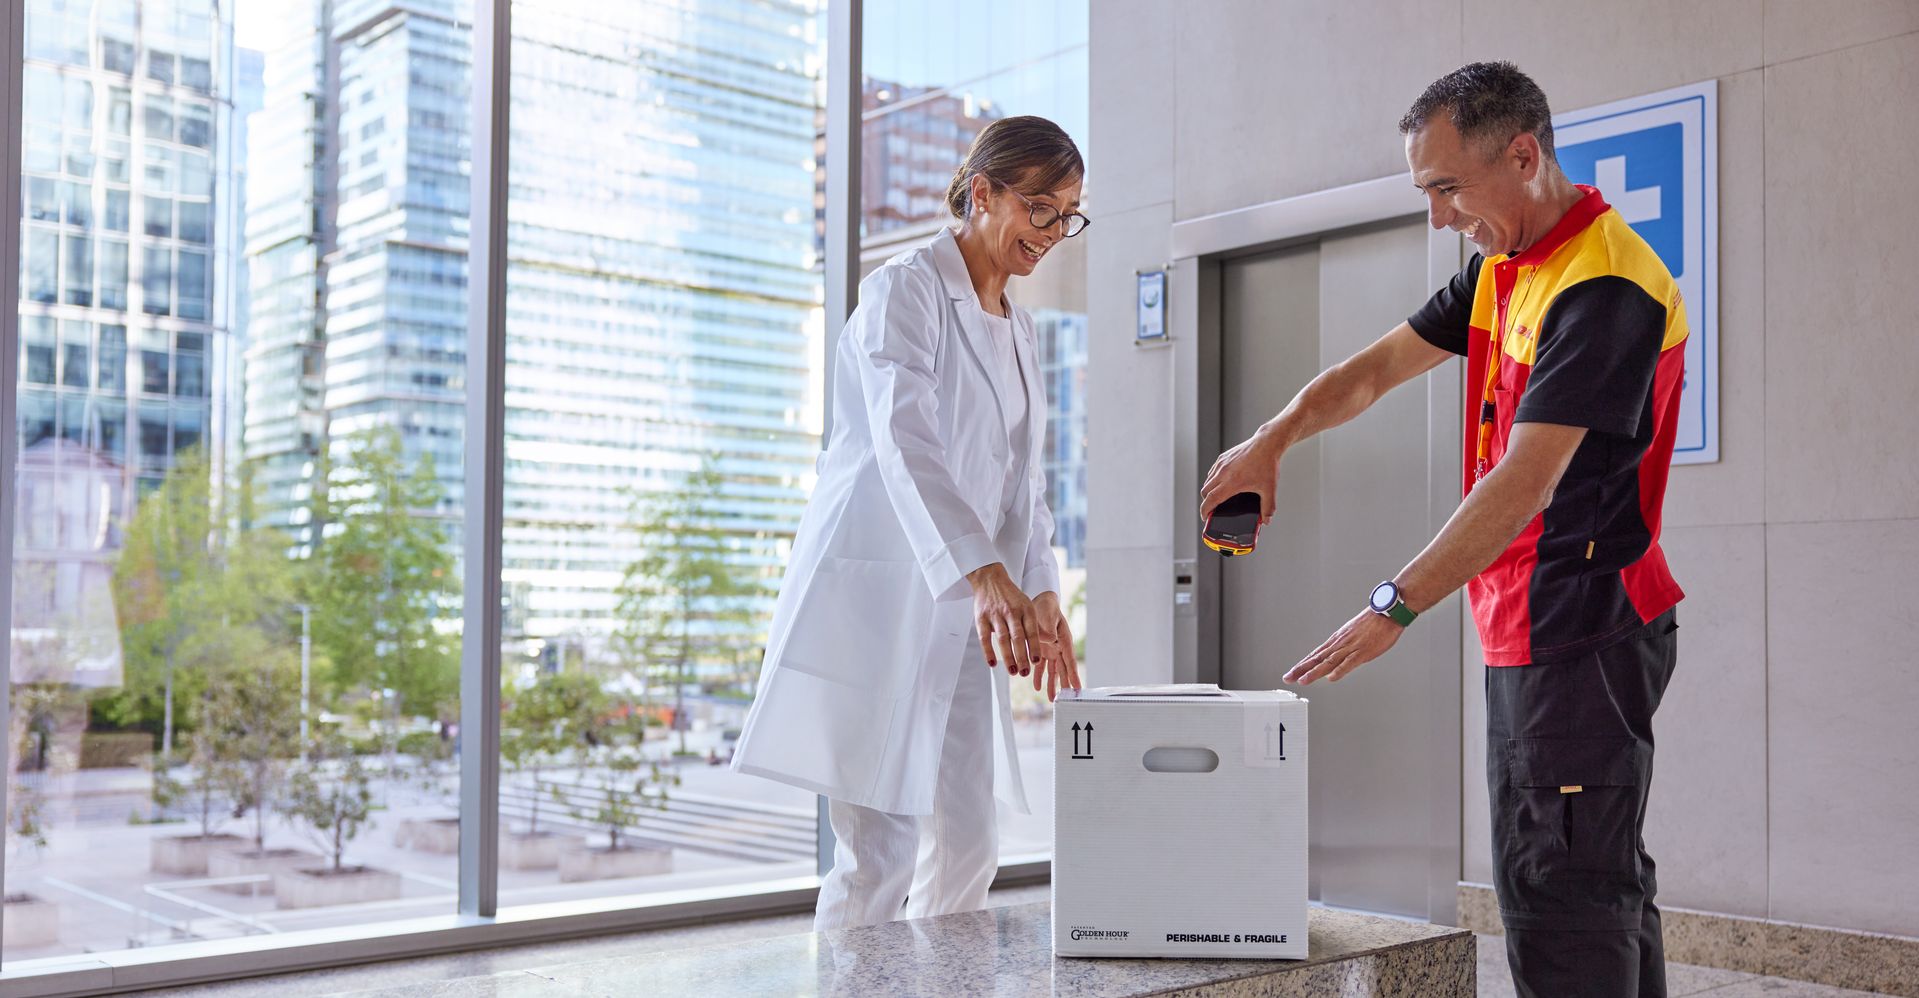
x,y
1501,506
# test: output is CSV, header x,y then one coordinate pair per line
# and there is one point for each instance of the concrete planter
x,y
30,921
609,864
247,862
319,888
186,855
436,835
536,850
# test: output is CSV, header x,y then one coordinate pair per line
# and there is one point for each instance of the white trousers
x,y
935,864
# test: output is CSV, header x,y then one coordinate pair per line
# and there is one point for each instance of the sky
x,y
257,23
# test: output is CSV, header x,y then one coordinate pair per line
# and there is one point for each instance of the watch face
x,y
1384,596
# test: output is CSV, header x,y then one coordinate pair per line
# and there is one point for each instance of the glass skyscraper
x,y
663,302
663,307
124,316
357,240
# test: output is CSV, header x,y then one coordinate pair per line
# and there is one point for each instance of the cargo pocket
x,y
1575,806
861,624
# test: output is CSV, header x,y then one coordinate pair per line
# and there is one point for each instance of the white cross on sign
x,y
1642,205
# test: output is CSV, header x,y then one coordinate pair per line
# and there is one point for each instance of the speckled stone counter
x,y
1006,952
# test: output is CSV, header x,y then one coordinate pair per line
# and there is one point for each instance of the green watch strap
x,y
1402,614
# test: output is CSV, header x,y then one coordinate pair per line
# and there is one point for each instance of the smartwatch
x,y
1388,603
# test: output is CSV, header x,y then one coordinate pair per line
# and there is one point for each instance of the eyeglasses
x,y
1044,215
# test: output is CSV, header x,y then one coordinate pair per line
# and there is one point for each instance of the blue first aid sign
x,y
1656,159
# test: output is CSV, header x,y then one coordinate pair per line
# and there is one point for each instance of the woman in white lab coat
x,y
924,560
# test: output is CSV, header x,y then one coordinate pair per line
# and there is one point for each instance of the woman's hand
x,y
1062,667
1010,630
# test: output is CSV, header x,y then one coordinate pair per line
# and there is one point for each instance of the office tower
x,y
124,315
662,305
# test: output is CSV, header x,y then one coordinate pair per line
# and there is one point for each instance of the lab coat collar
x,y
959,288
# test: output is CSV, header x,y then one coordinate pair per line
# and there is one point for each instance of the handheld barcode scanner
x,y
1233,527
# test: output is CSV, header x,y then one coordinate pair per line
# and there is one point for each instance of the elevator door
x,y
1353,507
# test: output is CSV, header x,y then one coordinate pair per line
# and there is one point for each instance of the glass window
x,y
79,110
113,358
43,265
158,168
153,368
116,56
936,76
153,435
79,159
76,365
43,148
189,425
197,73
43,200
118,210
156,284
193,221
78,201
77,278
39,368
42,88
380,713
44,39
192,271
190,374
116,162
159,66
596,581
196,125
119,111
36,421
113,274
112,426
73,420
157,216
196,173
159,118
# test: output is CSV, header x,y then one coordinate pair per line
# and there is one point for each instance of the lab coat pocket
x,y
1575,807
862,624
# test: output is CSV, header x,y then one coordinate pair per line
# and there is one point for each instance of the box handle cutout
x,y
1168,759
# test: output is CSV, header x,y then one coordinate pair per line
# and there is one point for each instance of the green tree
x,y
382,577
618,776
330,796
209,775
688,598
544,722
160,592
254,716
195,595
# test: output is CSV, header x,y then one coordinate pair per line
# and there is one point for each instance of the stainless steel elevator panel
x,y
1353,508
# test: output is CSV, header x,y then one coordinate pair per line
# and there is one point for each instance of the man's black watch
x,y
1387,603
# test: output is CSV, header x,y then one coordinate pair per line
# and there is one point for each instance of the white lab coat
x,y
875,612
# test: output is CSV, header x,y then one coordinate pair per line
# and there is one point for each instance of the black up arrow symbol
x,y
1276,742
1089,741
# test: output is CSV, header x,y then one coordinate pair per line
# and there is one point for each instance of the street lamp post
x,y
306,658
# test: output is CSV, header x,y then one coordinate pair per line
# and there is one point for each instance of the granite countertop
x,y
1003,951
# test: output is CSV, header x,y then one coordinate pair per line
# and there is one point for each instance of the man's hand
x,y
1253,466
1362,639
1060,667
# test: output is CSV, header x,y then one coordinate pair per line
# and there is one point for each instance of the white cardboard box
x,y
1179,823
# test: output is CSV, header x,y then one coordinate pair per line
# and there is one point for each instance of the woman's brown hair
x,y
1027,151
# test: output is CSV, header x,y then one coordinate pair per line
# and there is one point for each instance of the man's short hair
x,y
1487,102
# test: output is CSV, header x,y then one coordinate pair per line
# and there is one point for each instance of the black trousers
x,y
1569,753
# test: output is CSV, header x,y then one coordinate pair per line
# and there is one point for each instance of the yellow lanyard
x,y
1489,399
